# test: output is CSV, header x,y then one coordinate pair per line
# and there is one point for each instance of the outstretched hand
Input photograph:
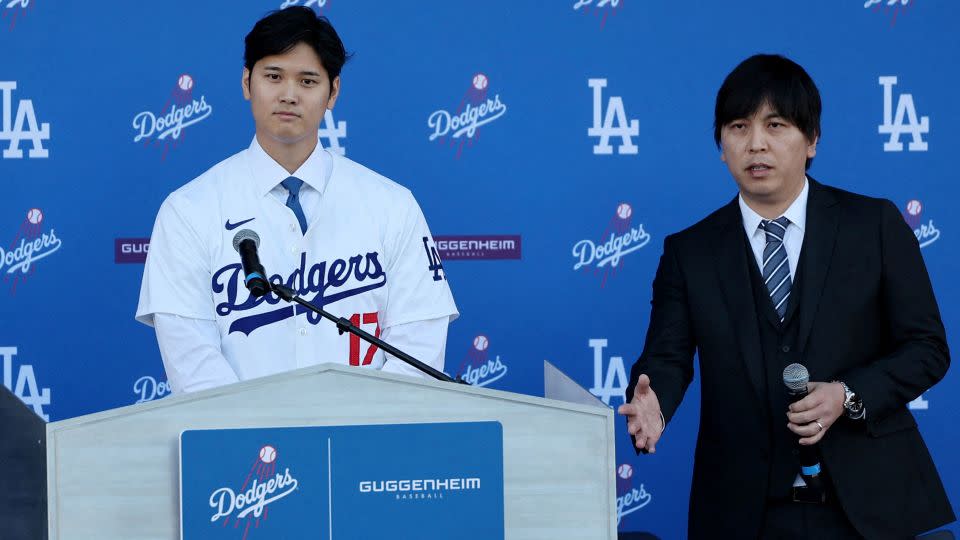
x,y
644,419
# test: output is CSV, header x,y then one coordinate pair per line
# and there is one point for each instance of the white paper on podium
x,y
557,385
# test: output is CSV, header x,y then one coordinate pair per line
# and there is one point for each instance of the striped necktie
x,y
776,268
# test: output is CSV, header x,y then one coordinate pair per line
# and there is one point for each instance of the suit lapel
x,y
819,240
730,256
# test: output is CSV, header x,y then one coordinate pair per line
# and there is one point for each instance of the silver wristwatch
x,y
852,404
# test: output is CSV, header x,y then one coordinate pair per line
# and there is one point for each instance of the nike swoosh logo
x,y
232,226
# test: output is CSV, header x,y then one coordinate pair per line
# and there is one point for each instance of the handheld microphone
x,y
796,377
246,243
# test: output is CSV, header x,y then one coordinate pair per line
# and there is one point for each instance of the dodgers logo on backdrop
x,y
619,239
25,386
477,368
166,128
462,126
328,282
13,129
889,7
629,498
30,245
614,123
609,376
147,388
905,122
15,9
262,486
598,8
926,232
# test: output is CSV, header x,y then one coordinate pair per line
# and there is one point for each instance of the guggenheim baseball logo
x,y
418,489
263,486
31,244
130,250
166,127
476,109
479,247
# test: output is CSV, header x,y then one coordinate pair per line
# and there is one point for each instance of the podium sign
x,y
373,481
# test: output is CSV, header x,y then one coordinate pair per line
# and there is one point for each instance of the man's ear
x,y
245,83
334,93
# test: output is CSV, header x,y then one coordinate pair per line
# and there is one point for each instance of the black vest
x,y
779,346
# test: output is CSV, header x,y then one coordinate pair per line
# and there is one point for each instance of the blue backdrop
x,y
598,126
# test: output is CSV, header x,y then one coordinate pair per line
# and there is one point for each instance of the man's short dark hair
x,y
282,30
774,80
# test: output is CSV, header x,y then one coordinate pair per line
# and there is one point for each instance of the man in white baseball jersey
x,y
343,237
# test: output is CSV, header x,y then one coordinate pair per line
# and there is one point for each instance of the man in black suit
x,y
793,271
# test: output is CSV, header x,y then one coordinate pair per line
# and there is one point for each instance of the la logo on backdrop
x,y
619,239
30,244
315,4
600,9
24,386
477,368
166,128
21,124
462,126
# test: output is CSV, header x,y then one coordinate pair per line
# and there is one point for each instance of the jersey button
x,y
293,228
294,250
303,331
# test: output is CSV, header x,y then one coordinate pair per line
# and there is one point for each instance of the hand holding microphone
x,y
817,405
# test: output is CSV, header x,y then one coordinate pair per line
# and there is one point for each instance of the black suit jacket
x,y
868,317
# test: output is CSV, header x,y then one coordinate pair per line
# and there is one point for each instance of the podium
x,y
115,474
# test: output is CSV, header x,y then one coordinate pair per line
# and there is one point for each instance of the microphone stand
x,y
344,325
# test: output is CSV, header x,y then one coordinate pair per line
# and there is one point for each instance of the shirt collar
x,y
796,213
267,173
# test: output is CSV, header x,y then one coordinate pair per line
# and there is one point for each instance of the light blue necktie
x,y
776,268
293,185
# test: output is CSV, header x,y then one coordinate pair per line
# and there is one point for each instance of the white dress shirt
x,y
792,238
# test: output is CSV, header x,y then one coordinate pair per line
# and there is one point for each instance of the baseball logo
x,y
185,82
479,81
35,216
268,454
914,207
624,211
481,343
625,471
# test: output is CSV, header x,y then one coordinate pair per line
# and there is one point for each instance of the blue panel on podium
x,y
382,481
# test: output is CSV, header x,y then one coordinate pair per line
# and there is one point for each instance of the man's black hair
x,y
769,79
282,30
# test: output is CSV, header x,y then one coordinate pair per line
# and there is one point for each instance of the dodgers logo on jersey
x,y
462,126
21,124
619,239
614,123
433,260
629,498
925,231
31,244
24,386
15,9
326,281
609,376
905,122
600,9
477,368
166,127
891,8
263,485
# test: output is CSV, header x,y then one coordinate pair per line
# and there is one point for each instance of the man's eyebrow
x,y
280,69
